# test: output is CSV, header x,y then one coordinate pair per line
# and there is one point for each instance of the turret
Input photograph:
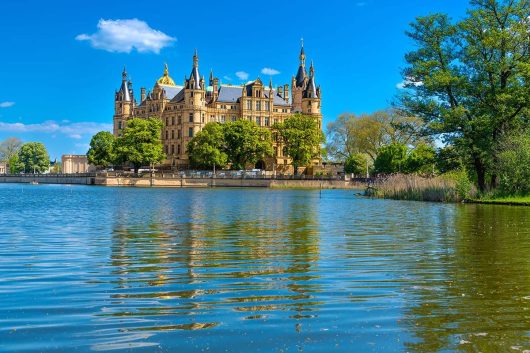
x,y
123,103
311,95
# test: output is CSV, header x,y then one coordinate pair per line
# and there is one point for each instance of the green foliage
x,y
207,148
448,159
463,186
355,164
33,157
351,134
9,148
246,143
15,166
101,152
391,158
140,143
421,160
469,80
302,139
513,165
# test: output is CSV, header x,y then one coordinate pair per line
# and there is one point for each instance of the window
x,y
173,120
258,105
258,120
222,118
190,132
119,125
202,118
172,134
167,121
178,149
165,149
266,121
233,118
180,120
167,134
172,149
191,117
249,105
179,133
267,106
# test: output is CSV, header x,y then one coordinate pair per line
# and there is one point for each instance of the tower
x,y
299,82
123,104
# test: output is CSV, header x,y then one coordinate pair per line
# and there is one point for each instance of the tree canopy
x,y
351,134
33,157
302,139
207,148
140,143
9,148
101,152
470,80
355,164
246,143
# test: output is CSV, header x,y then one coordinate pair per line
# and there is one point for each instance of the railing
x,y
50,175
189,174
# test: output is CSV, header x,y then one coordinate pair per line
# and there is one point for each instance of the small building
x,y
3,168
74,163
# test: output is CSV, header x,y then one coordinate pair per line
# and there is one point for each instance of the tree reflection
x,y
479,303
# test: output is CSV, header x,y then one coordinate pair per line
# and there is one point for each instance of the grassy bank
x,y
454,187
505,200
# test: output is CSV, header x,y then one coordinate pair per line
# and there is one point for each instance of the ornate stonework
x,y
185,109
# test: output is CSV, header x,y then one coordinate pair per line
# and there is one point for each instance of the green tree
x,y
470,80
246,143
33,157
101,152
513,165
391,158
351,134
15,166
302,139
9,148
207,148
421,159
448,159
140,143
355,164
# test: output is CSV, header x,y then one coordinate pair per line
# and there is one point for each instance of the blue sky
x,y
61,61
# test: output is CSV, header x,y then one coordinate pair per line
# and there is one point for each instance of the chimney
x,y
142,94
286,92
280,91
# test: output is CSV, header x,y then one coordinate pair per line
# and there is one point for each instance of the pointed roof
x,y
301,74
311,89
195,72
124,88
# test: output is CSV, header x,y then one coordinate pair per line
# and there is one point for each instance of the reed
x,y
446,188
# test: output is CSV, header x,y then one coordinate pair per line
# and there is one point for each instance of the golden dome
x,y
166,80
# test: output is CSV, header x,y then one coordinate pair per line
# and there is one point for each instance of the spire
x,y
301,75
195,76
311,70
270,84
166,79
311,89
210,80
124,93
302,53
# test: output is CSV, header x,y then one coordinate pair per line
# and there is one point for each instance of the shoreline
x,y
178,182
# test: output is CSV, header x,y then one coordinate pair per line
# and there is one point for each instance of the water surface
x,y
255,270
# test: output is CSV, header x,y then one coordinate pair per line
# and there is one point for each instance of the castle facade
x,y
185,109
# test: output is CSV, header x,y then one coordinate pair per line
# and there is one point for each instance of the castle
x,y
184,110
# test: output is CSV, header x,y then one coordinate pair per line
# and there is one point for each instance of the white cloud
x,y
6,104
408,81
242,75
123,36
269,71
72,130
228,78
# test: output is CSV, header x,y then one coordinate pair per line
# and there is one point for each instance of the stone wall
x,y
49,179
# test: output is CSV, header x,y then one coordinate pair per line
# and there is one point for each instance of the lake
x,y
90,269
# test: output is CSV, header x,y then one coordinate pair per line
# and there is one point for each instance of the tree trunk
x,y
481,173
295,166
494,182
136,167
